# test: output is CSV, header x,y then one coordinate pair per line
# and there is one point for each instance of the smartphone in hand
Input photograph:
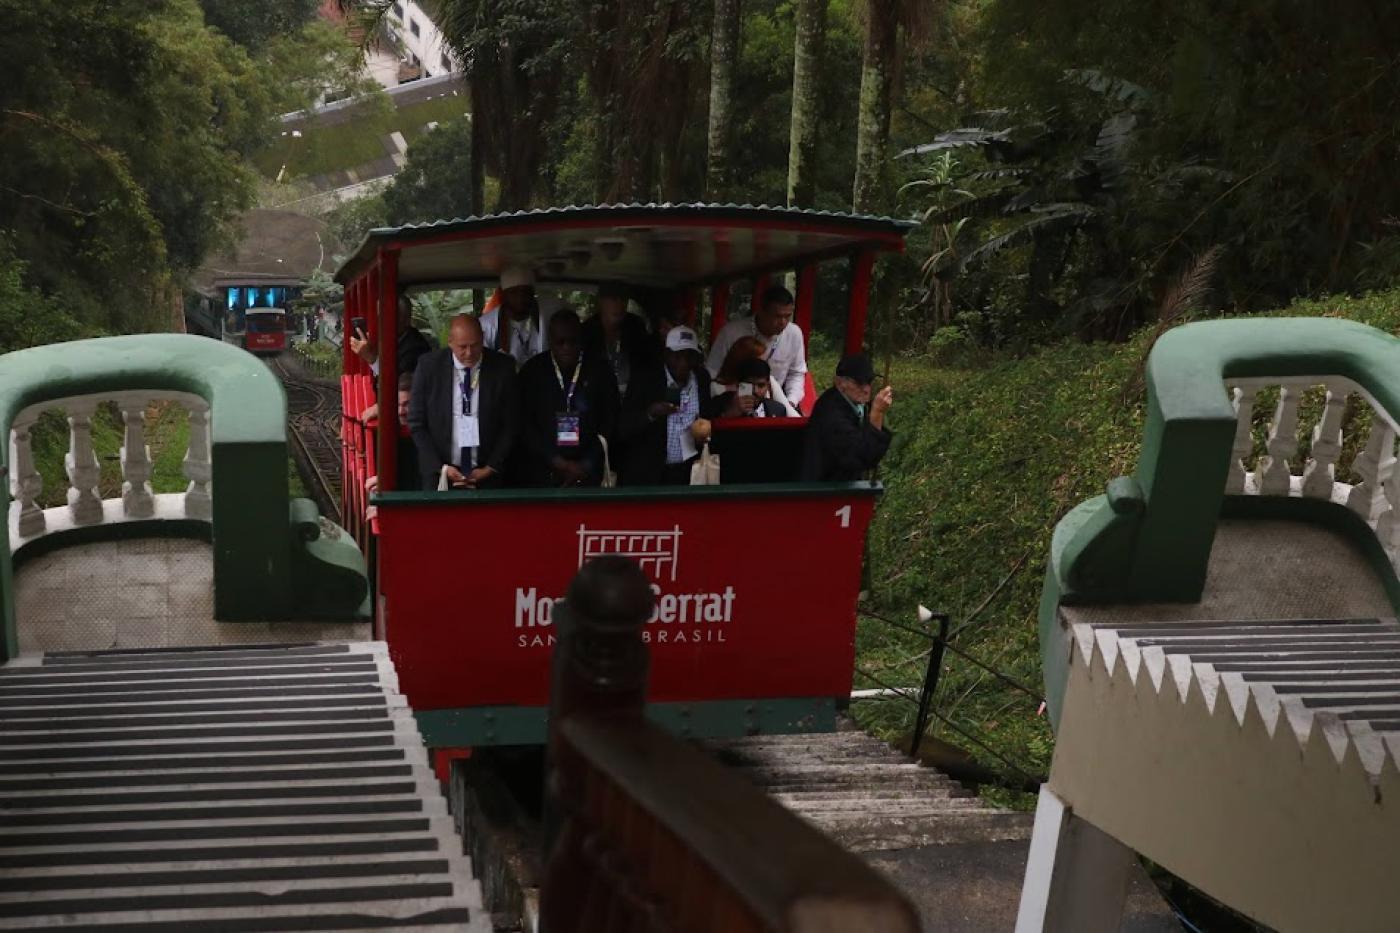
x,y
673,396
357,326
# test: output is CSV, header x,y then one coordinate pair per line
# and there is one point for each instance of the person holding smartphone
x,y
750,397
411,345
661,405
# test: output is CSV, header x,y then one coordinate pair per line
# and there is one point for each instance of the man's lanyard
x,y
467,393
573,382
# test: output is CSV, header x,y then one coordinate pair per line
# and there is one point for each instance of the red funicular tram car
x,y
756,583
265,330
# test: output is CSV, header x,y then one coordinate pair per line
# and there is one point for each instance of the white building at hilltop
x,y
422,42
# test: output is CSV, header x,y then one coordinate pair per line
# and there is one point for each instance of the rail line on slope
x,y
313,424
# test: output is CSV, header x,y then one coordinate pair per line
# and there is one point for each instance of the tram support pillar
x,y
862,271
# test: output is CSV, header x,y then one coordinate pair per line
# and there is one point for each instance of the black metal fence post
x,y
935,667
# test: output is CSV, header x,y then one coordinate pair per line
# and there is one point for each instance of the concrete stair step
x,y
875,832
248,789
867,803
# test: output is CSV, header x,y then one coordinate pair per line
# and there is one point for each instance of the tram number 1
x,y
844,513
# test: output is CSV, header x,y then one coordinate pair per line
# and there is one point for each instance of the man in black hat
x,y
846,436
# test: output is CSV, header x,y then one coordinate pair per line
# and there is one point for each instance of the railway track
x,y
313,423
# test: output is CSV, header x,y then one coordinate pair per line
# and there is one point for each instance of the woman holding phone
x,y
749,397
727,380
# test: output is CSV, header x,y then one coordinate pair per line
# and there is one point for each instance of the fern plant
x,y
1057,205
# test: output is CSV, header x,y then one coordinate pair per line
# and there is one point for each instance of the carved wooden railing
x,y
645,832
85,503
1278,471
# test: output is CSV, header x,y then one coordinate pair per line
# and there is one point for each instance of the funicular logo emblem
x,y
658,552
692,617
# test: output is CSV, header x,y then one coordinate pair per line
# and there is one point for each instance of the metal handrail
x,y
939,642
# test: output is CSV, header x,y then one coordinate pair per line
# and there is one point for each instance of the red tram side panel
x,y
756,596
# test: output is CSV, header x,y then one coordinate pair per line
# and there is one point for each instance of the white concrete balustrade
x,y
85,504
1278,472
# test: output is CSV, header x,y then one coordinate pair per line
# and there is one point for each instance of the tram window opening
x,y
265,323
414,28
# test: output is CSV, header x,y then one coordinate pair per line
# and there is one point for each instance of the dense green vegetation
x,y
990,451
1083,168
319,358
126,130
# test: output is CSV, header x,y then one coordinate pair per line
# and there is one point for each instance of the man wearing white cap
x,y
662,403
521,331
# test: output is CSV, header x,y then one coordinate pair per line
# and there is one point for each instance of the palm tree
x,y
802,141
724,56
885,20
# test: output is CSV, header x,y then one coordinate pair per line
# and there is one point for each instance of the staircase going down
x,y
245,788
864,794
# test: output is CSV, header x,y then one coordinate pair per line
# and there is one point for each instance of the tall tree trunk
x,y
876,87
802,140
724,54
478,178
478,157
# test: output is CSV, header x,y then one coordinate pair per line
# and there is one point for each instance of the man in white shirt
x,y
785,351
518,326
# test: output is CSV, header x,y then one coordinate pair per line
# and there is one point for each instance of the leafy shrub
x,y
28,317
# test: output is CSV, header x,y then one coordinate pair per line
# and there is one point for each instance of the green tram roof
x,y
649,245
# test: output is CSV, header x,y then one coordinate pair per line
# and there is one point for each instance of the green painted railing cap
x,y
247,404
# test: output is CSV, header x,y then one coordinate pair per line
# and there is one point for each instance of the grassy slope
x,y
167,437
322,149
986,459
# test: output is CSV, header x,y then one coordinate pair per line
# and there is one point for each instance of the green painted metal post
x,y
252,561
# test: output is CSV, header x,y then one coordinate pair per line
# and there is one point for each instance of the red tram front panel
x,y
756,595
265,341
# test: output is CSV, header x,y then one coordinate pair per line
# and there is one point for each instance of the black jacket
x,y
637,344
541,399
840,447
412,347
642,439
432,407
